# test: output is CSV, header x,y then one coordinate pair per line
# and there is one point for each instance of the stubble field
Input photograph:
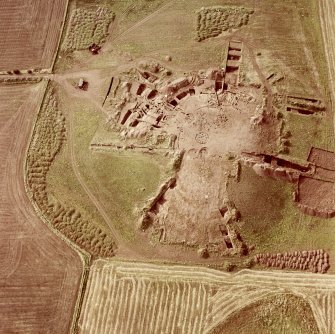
x,y
125,297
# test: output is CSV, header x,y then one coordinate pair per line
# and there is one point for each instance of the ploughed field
x,y
39,273
30,31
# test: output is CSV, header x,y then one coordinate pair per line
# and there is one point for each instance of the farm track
x,y
327,14
124,297
122,246
136,25
82,182
36,266
250,48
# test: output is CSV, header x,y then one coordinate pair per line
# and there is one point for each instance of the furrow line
x,y
175,307
187,306
108,294
133,304
157,326
111,304
127,301
168,305
145,305
119,305
102,300
91,286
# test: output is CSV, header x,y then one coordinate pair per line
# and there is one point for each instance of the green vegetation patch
x,y
310,19
88,26
212,21
307,131
46,144
271,220
121,181
279,314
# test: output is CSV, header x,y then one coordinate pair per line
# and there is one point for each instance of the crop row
x,y
47,141
117,303
133,297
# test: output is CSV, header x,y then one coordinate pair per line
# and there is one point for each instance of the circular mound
x,y
201,137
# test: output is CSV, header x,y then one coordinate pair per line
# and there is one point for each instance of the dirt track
x,y
39,273
113,39
115,234
327,14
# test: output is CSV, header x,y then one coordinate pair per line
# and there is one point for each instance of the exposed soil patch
x,y
209,117
322,158
315,195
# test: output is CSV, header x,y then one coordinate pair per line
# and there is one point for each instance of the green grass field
x,y
271,220
122,182
276,27
308,131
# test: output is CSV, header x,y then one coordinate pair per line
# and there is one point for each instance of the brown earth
x,y
33,271
26,28
322,158
39,273
316,194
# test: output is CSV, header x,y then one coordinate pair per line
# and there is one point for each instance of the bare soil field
x,y
125,297
30,33
39,273
318,194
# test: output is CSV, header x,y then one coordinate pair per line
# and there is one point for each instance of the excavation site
x,y
167,166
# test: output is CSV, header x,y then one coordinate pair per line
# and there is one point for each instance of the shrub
x,y
228,266
212,21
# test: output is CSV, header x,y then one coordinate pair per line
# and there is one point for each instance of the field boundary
x,y
60,36
84,256
323,23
